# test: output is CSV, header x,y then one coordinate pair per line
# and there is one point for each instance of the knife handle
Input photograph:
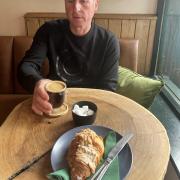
x,y
98,171
101,171
101,174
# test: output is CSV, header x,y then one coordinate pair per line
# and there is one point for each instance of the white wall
x,y
12,11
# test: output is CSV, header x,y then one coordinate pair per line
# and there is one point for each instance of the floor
x,y
171,173
171,122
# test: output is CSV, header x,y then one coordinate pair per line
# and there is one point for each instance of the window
x,y
167,49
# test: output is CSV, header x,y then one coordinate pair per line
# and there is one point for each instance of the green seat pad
x,y
137,87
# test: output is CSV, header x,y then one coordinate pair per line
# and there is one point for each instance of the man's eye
x,y
80,1
84,1
70,1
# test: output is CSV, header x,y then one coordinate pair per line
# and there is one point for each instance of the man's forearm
x,y
28,76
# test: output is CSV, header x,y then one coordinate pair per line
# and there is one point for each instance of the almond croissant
x,y
84,154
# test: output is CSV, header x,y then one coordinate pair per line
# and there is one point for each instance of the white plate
x,y
58,154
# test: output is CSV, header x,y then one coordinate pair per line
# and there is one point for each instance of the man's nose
x,y
77,6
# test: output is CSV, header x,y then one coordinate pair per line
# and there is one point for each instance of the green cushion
x,y
137,87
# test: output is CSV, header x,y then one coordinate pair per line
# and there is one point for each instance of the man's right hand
x,y
40,102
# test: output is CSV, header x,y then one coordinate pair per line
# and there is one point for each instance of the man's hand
x,y
40,102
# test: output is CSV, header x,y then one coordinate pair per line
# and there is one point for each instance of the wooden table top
x,y
25,136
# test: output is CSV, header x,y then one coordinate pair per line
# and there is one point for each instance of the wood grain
x,y
102,22
142,33
32,24
115,26
151,33
128,29
25,135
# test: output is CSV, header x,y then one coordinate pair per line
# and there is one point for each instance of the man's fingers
x,y
41,105
42,93
44,105
36,111
40,102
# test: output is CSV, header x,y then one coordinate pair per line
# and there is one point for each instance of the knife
x,y
111,156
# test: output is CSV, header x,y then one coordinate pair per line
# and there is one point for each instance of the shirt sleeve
x,y
28,72
109,74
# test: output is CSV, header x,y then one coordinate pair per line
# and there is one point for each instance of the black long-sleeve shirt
x,y
81,61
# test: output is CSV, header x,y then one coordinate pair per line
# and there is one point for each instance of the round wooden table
x,y
26,137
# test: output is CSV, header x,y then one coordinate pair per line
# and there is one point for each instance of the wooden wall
x,y
141,27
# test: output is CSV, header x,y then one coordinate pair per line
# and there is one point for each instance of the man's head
x,y
80,14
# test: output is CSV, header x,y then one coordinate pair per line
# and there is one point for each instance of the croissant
x,y
84,154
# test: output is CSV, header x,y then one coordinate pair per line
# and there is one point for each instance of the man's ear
x,y
96,4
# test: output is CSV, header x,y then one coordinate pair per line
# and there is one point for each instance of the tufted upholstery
x,y
12,50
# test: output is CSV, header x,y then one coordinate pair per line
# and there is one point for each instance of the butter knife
x,y
111,156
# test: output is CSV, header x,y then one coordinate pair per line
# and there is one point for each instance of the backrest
x,y
129,53
6,74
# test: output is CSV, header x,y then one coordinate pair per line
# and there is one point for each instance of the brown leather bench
x,y
12,49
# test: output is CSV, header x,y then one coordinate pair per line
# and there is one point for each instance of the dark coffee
x,y
56,92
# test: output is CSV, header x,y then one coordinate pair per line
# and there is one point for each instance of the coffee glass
x,y
57,92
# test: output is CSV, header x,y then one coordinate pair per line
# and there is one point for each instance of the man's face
x,y
80,12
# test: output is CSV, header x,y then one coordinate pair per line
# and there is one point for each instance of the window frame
x,y
170,90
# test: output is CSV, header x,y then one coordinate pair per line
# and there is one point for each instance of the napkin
x,y
111,173
113,170
62,174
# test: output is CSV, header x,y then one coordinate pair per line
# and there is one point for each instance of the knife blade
x,y
119,146
111,156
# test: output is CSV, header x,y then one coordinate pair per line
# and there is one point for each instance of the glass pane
x,y
169,50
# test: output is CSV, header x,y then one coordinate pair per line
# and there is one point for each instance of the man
x,y
80,53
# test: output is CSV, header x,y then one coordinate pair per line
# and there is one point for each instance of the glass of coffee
x,y
56,91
